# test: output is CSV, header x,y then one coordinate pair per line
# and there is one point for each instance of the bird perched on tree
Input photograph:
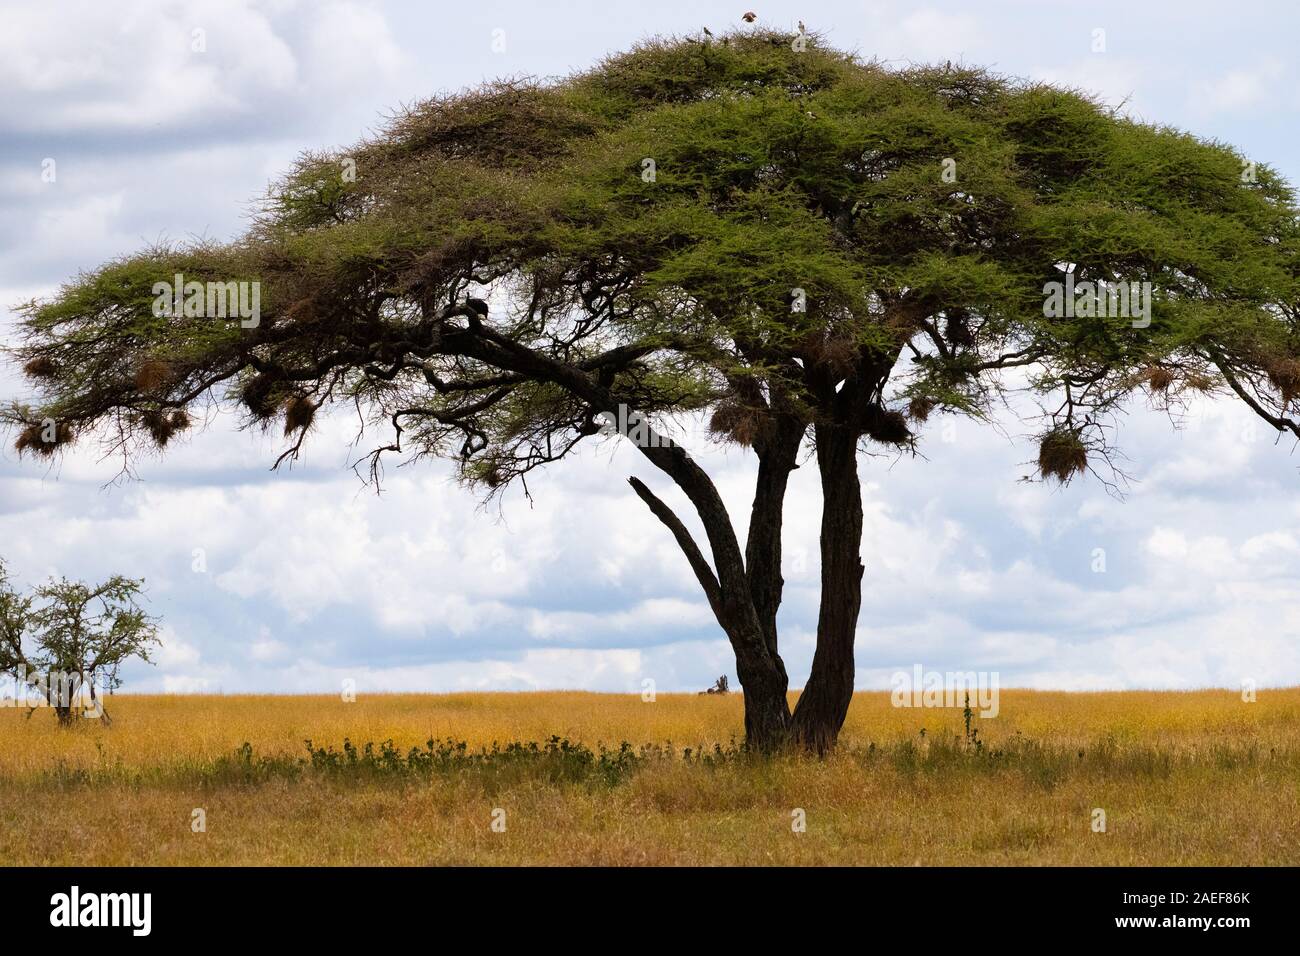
x,y
708,32
478,305
750,16
802,28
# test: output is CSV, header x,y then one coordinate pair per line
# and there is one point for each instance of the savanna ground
x,y
1183,777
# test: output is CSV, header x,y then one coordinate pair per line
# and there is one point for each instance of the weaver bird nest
x,y
1062,454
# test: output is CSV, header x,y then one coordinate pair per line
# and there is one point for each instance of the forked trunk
x,y
825,700
767,706
767,709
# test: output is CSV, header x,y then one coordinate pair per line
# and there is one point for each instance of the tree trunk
x,y
767,708
758,667
825,700
61,694
777,454
98,705
767,703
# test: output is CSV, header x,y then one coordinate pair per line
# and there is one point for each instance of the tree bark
x,y
767,708
104,719
759,669
825,700
777,455
64,701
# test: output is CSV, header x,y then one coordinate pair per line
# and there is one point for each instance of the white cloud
x,y
1112,78
1241,89
174,654
140,65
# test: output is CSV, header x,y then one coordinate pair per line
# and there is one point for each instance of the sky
x,y
165,120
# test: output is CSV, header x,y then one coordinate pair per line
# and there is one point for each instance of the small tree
x,y
68,638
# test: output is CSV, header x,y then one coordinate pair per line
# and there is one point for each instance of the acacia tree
x,y
816,252
66,637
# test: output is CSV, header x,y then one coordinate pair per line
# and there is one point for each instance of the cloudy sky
x,y
297,580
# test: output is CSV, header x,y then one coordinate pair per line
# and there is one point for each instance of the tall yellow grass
x,y
1197,777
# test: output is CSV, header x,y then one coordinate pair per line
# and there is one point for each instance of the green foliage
x,y
555,761
66,635
920,211
558,761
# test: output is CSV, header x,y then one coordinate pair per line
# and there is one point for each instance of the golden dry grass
x,y
1184,777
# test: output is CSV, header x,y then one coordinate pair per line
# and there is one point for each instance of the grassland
x,y
1183,777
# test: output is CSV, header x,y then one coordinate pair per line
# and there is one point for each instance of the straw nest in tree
x,y
41,367
1284,374
836,352
736,421
919,408
299,412
43,438
887,427
164,423
258,396
1062,455
1158,379
152,374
